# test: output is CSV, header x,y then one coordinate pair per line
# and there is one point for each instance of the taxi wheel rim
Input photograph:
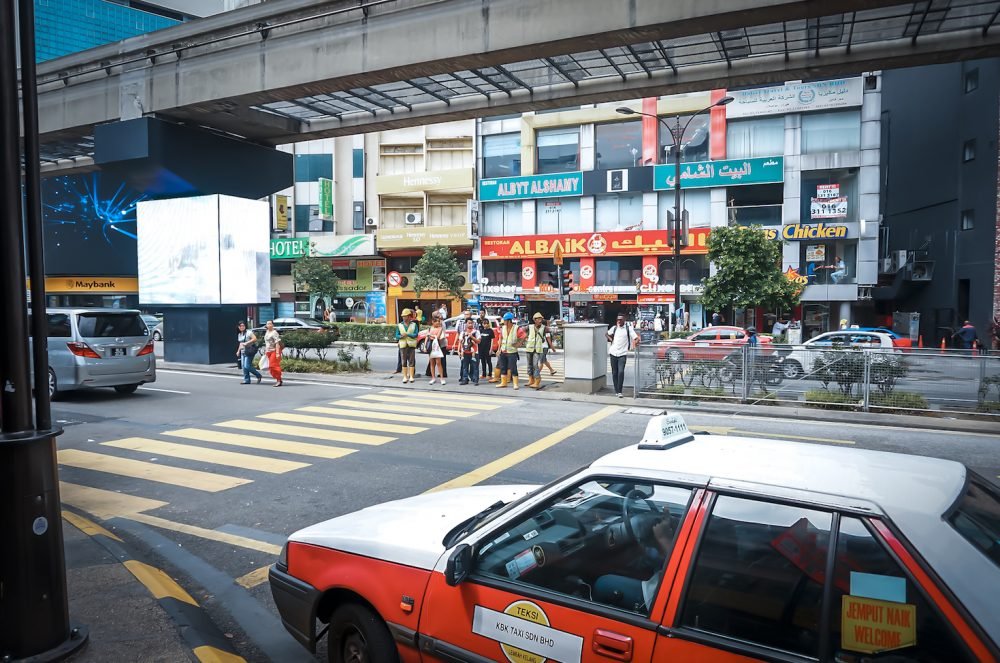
x,y
355,647
52,384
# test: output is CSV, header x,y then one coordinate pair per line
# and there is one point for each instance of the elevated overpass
x,y
292,70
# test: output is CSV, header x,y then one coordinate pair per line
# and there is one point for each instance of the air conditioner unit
x,y
898,259
885,266
414,219
371,223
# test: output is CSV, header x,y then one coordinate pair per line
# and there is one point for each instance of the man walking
x,y
622,338
468,345
967,335
535,346
406,337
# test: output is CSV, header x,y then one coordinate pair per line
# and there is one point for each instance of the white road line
x,y
237,377
167,391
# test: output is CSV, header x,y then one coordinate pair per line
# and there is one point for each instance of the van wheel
x,y
53,386
126,388
791,369
358,635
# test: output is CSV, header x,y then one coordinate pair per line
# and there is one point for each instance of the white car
x,y
801,359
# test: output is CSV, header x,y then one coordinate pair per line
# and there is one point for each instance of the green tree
x,y
438,271
748,271
316,276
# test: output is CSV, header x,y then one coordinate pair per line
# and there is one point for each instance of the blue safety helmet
x,y
508,316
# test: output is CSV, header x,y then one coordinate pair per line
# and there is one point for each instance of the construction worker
x,y
535,346
406,336
510,335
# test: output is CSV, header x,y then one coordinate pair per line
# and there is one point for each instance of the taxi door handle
x,y
612,645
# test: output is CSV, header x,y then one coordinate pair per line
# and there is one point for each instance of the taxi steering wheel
x,y
632,498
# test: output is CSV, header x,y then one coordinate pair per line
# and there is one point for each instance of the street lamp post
x,y
677,134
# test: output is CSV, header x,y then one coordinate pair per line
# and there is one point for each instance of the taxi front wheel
x,y
358,635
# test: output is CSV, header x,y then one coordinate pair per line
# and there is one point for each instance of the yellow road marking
x,y
305,431
206,654
262,443
138,469
427,400
380,416
189,452
105,504
343,423
448,396
405,409
201,532
254,578
159,584
526,452
792,437
88,527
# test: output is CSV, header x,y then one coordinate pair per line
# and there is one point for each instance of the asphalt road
x,y
207,476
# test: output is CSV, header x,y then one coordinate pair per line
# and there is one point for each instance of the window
x,y
402,264
617,212
625,529
311,167
58,325
505,218
759,204
977,518
969,150
831,132
968,219
618,145
711,335
763,137
558,150
866,576
617,271
108,325
502,272
557,215
759,575
694,145
971,80
829,263
697,202
501,155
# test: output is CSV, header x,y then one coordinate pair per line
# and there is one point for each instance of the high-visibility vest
x,y
536,338
406,341
508,339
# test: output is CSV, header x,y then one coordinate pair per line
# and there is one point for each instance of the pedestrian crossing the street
x,y
236,452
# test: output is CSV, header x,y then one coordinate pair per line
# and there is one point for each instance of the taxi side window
x,y
758,576
605,541
706,336
878,611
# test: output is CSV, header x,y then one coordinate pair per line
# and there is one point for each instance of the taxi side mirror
x,y
459,565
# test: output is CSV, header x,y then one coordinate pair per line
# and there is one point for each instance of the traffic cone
x,y
943,345
920,341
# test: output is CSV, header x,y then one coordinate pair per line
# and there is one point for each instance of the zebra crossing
x,y
235,452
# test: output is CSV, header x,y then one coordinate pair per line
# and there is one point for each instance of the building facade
x,y
801,159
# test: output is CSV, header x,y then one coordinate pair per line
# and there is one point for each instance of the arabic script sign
x,y
582,245
730,172
796,98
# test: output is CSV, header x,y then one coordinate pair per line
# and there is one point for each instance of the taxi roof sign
x,y
665,431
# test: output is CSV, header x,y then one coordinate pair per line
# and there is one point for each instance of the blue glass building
x,y
68,26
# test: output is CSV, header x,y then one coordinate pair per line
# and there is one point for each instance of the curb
x,y
552,392
199,632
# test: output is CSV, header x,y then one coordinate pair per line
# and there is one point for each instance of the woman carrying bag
x,y
272,352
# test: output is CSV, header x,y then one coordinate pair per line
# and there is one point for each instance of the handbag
x,y
250,349
264,363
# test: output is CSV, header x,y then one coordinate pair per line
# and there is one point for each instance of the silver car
x,y
99,347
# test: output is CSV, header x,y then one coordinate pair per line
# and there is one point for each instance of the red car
x,y
451,331
709,343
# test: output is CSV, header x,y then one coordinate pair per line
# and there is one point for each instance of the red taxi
x,y
451,331
684,547
712,343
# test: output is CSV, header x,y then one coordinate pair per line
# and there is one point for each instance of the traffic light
x,y
567,284
553,278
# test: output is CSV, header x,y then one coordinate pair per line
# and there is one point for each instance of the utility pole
x,y
34,615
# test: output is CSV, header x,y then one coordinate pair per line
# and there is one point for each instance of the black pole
x,y
678,139
34,617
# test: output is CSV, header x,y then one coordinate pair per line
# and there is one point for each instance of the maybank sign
x,y
798,232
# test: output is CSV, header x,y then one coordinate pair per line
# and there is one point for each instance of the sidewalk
x,y
554,392
133,611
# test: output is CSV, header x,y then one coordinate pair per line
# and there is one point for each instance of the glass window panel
x,y
759,575
760,137
831,132
617,212
502,155
618,145
504,218
694,144
558,150
557,215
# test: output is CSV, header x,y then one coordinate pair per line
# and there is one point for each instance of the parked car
x,y
684,547
155,326
98,347
451,330
802,357
712,343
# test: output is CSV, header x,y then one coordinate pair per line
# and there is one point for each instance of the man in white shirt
x,y
779,328
622,338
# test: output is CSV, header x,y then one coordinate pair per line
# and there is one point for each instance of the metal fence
x,y
866,380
